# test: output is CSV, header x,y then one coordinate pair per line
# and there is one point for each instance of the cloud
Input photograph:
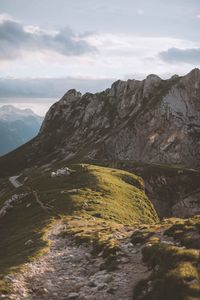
x,y
16,39
118,54
176,55
140,12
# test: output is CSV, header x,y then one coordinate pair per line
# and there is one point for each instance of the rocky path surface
x,y
69,271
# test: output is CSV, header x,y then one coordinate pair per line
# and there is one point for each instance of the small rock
x,y
29,242
76,259
25,179
133,251
73,296
111,290
97,215
149,288
101,273
100,254
156,268
88,256
92,284
101,286
108,278
77,217
9,278
55,294
124,260
192,281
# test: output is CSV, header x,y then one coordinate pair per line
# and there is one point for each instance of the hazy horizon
x,y
39,106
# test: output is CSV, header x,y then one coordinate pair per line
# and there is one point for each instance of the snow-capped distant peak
x,y
12,113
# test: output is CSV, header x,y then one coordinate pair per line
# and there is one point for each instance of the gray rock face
x,y
189,206
153,120
173,191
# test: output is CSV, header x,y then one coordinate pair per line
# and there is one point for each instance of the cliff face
x,y
173,190
153,120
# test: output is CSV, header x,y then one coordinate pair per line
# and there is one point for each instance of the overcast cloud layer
x,y
87,44
16,40
175,55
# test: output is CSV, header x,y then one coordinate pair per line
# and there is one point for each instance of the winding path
x,y
13,180
69,271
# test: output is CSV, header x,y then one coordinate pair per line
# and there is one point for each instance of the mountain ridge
x,y
128,101
152,121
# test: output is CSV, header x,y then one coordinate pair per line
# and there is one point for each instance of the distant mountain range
x,y
17,126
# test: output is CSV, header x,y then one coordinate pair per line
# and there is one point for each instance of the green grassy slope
x,y
16,160
165,184
172,252
90,192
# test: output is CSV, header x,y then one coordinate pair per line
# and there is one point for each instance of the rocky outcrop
x,y
9,203
188,206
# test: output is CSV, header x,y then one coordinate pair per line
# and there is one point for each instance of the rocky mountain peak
x,y
153,78
194,73
152,120
71,94
152,81
192,80
117,88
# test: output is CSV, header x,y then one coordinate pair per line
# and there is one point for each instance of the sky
x,y
55,45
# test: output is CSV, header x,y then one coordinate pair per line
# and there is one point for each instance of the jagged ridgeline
x,y
153,120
